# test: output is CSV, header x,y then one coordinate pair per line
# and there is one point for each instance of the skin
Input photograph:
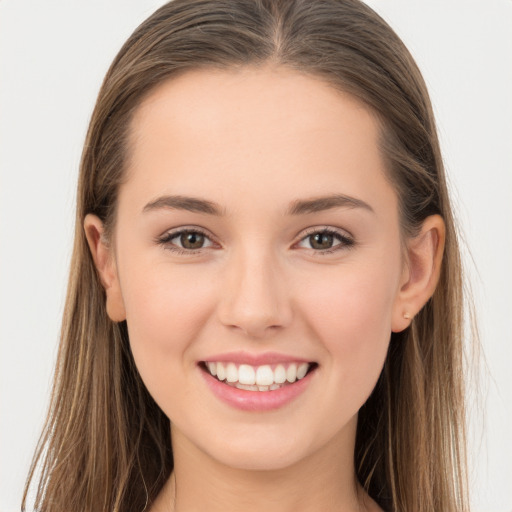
x,y
253,141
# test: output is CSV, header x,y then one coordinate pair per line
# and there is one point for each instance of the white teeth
x,y
264,375
231,373
221,373
246,387
260,378
302,370
246,374
279,374
291,373
213,368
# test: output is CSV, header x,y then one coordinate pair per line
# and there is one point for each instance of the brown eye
x,y
185,241
191,240
321,240
326,241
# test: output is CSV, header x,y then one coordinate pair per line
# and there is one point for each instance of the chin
x,y
259,453
258,461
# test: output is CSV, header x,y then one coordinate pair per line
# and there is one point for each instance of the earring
x,y
407,316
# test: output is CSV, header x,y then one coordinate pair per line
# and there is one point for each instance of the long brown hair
x,y
106,444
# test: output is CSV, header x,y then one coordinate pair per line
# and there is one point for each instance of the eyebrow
x,y
318,204
297,207
191,204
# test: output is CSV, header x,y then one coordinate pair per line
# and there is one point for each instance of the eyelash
x,y
346,242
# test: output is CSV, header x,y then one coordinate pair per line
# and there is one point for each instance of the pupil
x,y
192,240
322,241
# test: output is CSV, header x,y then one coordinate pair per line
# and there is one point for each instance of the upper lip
x,y
242,357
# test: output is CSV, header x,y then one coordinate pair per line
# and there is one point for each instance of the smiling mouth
x,y
258,378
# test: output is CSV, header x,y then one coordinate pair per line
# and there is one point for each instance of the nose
x,y
255,298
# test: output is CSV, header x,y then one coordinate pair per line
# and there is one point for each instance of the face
x,y
257,235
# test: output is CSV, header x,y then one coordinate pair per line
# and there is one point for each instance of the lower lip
x,y
256,400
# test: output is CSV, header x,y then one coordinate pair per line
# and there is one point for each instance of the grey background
x,y
53,56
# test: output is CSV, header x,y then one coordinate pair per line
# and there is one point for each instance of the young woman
x,y
265,302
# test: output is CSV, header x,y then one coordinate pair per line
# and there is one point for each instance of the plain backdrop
x,y
53,56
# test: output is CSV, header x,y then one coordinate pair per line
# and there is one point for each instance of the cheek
x,y
165,309
352,321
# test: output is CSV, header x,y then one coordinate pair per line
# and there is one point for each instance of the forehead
x,y
216,131
262,101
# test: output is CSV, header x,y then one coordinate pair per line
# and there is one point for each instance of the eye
x,y
326,240
185,241
192,241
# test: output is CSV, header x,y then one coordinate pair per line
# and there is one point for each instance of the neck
x,y
325,480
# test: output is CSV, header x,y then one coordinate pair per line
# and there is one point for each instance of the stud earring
x,y
407,316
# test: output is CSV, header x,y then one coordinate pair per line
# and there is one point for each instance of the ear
x,y
421,272
106,265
